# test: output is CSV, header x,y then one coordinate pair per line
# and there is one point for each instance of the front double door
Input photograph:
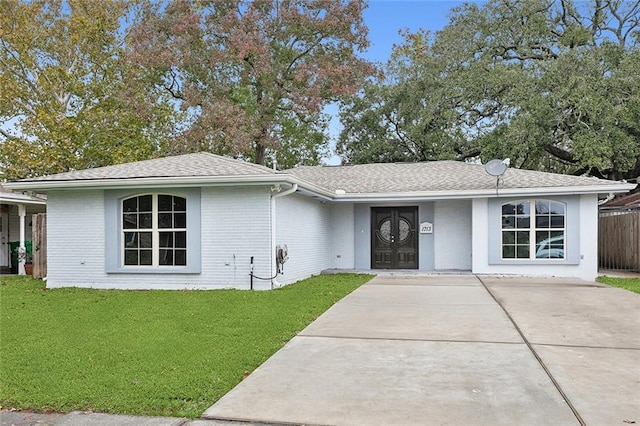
x,y
394,238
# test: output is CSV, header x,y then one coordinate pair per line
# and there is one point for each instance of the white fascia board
x,y
181,181
488,193
16,201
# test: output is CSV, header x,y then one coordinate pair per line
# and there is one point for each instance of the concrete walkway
x,y
450,350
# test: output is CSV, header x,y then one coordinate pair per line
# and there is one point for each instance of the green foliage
x,y
168,353
254,76
554,85
69,97
631,284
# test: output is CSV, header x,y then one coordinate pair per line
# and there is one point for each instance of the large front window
x,y
154,230
533,229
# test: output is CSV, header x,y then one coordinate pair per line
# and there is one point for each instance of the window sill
x,y
181,270
541,262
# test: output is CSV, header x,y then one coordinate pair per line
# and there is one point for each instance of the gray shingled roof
x,y
382,178
430,176
198,164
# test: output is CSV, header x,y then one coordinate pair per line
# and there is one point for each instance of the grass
x,y
631,284
167,353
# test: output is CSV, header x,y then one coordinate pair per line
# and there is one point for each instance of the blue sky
x,y
385,18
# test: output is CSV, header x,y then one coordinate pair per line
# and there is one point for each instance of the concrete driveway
x,y
451,350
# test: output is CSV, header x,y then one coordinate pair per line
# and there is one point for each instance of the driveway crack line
x,y
397,339
536,356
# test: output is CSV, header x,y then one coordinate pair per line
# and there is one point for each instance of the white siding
x,y
452,234
587,269
342,229
235,226
303,224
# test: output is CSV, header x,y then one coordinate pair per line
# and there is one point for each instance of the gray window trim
x,y
113,222
572,232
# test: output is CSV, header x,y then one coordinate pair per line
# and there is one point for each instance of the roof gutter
x,y
309,188
483,193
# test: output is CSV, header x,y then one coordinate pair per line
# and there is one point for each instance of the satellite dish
x,y
496,167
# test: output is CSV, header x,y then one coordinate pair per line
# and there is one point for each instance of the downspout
x,y
274,267
22,250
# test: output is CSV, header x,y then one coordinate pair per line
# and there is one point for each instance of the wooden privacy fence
x,y
39,229
619,240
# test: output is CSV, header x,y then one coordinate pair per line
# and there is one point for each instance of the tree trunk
x,y
260,150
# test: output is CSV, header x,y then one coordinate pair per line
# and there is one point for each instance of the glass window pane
x,y
542,207
145,239
131,257
522,252
131,239
166,257
180,239
130,221
523,208
145,257
180,220
179,204
145,221
144,203
130,205
166,239
508,237
164,220
557,221
181,257
523,222
508,222
508,209
508,252
542,221
165,203
522,237
556,208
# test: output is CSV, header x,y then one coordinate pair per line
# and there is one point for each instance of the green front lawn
x,y
631,284
169,353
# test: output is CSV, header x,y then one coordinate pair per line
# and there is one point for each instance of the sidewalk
x,y
79,418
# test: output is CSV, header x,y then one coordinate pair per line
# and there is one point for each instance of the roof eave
x,y
173,181
483,193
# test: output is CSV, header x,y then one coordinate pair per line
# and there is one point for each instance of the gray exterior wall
x,y
452,234
235,225
342,236
304,225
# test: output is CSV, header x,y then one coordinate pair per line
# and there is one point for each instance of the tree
x,y
69,99
254,76
554,85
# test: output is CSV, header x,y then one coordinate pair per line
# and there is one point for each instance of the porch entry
x,y
4,239
394,238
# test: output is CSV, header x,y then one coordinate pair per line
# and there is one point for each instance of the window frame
x,y
155,230
571,228
114,235
532,230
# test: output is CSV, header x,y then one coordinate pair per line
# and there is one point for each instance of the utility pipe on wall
x,y
274,266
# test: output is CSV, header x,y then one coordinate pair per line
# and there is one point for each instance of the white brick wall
x,y
235,226
342,228
452,234
304,225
